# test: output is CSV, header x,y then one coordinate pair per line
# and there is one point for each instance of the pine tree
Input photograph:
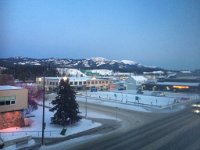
x,y
65,105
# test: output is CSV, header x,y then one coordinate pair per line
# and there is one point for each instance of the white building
x,y
51,83
133,82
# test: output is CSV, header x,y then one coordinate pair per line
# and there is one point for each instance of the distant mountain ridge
x,y
91,63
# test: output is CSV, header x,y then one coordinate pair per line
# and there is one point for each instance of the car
x,y
196,105
93,89
78,93
196,108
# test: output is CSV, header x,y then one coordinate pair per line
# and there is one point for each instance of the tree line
x,y
29,72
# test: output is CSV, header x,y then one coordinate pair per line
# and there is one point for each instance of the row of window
x,y
81,83
9,102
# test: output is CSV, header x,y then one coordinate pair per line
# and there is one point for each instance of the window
x,y
2,103
84,82
7,100
12,102
88,82
71,83
80,83
75,83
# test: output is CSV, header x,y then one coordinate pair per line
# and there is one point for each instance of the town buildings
x,y
79,83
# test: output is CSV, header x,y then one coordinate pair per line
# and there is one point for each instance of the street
x,y
135,130
180,130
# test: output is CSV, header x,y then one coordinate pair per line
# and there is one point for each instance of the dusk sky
x,y
164,33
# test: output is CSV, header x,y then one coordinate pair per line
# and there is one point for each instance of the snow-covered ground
x,y
130,100
50,131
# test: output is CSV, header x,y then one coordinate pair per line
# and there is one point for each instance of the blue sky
x,y
164,33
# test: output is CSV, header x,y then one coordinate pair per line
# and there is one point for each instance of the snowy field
x,y
135,101
128,99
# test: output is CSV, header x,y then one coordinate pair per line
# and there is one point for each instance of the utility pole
x,y
43,110
86,104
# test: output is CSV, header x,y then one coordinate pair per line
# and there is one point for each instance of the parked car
x,y
93,89
121,86
78,93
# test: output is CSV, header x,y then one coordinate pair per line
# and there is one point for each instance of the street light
x,y
86,103
43,108
65,78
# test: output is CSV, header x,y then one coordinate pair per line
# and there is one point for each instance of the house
x,y
173,86
13,100
134,82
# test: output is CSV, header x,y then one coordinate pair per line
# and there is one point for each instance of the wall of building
x,y
78,83
18,99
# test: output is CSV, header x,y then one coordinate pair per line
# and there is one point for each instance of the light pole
x,y
86,103
43,112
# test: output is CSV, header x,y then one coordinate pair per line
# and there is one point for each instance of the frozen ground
x,y
51,130
133,101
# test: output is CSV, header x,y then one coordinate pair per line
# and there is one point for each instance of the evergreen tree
x,y
65,105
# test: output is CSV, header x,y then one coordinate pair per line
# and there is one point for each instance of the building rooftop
x,y
178,83
139,78
74,78
8,87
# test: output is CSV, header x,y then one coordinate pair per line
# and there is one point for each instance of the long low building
x,y
79,83
172,86
13,100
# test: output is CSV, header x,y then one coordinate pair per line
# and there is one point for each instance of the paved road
x,y
131,120
177,131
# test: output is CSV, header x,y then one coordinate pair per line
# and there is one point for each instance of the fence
x,y
25,133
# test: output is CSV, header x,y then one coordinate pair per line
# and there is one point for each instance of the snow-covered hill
x,y
91,63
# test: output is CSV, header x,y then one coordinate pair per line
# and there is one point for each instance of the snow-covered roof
x,y
73,72
70,78
8,87
128,62
102,71
178,83
154,72
139,78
